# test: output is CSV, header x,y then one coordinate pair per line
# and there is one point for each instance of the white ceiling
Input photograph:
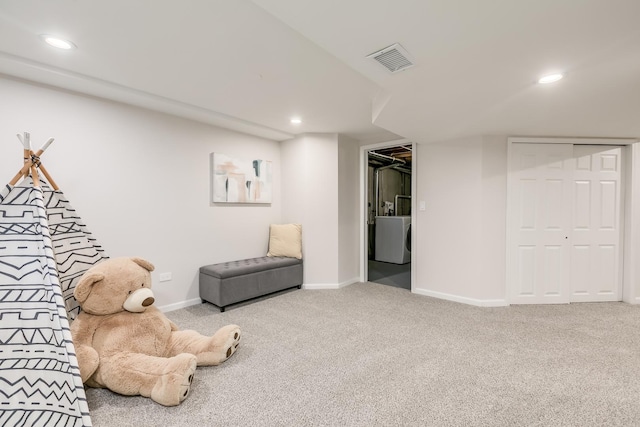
x,y
252,65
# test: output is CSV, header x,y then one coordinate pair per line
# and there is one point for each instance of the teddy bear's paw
x,y
173,386
222,345
232,341
186,382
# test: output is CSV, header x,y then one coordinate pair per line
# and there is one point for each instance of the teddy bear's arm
x,y
82,330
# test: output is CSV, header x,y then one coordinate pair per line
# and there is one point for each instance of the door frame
x,y
630,238
364,182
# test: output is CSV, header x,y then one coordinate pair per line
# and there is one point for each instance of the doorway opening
x,y
388,215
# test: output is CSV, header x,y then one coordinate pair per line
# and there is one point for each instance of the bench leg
x,y
207,302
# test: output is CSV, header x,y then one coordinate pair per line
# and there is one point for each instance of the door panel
x,y
553,272
539,223
526,269
596,224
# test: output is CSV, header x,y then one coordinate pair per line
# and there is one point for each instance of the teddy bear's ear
x,y
143,263
84,287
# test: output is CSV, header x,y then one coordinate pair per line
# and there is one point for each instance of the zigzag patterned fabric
x,y
40,382
75,248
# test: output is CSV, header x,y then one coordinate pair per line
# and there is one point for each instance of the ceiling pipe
x,y
372,153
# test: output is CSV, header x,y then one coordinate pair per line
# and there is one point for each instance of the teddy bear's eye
x,y
129,292
142,285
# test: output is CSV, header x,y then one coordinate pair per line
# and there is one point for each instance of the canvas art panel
x,y
240,181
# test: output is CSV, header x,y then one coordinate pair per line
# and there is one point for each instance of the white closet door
x,y
565,214
539,223
596,235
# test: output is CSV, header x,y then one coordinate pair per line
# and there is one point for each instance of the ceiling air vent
x,y
394,58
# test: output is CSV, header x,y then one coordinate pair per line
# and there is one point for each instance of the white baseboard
x,y
178,305
330,285
321,286
315,286
463,300
349,282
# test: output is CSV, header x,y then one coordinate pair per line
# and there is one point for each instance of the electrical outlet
x,y
165,277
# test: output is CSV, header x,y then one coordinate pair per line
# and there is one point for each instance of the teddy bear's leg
x,y
165,380
209,350
174,385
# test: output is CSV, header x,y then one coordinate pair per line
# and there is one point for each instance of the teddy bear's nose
x,y
139,300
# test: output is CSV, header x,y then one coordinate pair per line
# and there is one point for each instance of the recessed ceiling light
x,y
296,120
57,42
550,78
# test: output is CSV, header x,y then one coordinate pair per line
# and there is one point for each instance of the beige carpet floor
x,y
374,355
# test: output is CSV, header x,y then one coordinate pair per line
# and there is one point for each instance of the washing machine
x,y
393,239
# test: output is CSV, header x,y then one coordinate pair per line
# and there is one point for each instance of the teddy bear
x,y
127,345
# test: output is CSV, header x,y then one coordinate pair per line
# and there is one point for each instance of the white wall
x,y
293,155
348,211
460,245
631,266
310,197
140,180
492,246
461,237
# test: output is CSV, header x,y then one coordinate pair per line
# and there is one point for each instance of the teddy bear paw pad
x,y
186,387
225,341
187,380
234,342
173,386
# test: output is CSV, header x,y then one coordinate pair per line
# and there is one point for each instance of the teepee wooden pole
x,y
35,176
27,160
32,162
26,144
45,146
49,179
24,171
41,166
29,154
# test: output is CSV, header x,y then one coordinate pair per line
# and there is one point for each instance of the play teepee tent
x,y
44,249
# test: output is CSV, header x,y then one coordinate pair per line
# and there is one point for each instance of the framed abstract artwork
x,y
240,181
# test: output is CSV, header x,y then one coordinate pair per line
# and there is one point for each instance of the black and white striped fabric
x,y
75,248
40,382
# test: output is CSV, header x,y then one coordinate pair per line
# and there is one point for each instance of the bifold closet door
x,y
540,223
596,235
564,239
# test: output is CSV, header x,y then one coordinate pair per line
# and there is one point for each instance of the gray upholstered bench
x,y
236,281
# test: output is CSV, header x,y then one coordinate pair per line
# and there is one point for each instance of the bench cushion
x,y
246,266
236,281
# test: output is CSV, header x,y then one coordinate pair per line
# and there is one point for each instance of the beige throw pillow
x,y
285,240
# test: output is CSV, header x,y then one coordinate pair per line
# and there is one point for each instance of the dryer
x,y
393,239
